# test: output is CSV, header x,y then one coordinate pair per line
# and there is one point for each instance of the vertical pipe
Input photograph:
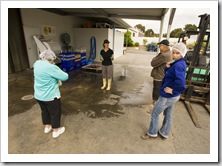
x,y
114,27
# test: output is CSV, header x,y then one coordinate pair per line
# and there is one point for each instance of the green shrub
x,y
137,44
128,39
145,41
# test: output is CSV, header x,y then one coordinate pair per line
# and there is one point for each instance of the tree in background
x,y
190,27
145,41
128,39
140,27
165,35
149,33
156,35
176,33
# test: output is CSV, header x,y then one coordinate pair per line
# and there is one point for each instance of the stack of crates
x,y
83,57
68,61
73,60
77,60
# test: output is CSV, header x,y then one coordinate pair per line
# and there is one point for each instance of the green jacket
x,y
158,63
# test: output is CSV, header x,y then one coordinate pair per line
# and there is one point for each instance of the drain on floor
x,y
27,97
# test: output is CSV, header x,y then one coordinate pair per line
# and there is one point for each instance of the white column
x,y
172,12
161,28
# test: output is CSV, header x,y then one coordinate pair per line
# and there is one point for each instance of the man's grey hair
x,y
48,55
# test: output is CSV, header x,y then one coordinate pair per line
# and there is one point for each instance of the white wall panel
x,y
118,44
33,19
82,38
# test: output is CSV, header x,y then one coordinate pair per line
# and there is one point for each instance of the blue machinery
x,y
96,68
92,55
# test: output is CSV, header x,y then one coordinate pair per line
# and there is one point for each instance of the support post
x,y
192,114
172,12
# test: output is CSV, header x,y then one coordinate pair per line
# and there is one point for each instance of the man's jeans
x,y
166,105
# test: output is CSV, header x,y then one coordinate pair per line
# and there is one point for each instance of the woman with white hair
x,y
173,84
46,91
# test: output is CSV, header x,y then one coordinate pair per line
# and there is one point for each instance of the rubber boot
x,y
104,83
109,84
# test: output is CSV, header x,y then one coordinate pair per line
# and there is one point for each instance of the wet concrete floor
x,y
99,121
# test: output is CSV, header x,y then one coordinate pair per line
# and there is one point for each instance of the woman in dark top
x,y
106,56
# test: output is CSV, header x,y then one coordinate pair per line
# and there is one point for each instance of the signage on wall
x,y
48,30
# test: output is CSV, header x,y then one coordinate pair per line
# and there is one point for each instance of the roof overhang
x,y
112,16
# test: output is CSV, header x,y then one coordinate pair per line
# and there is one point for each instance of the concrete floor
x,y
99,121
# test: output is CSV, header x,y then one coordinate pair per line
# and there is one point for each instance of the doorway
x,y
17,54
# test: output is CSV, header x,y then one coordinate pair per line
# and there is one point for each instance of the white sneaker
x,y
47,130
61,130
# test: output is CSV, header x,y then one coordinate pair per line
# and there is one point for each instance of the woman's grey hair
x,y
48,55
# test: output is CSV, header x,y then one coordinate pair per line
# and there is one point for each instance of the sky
x,y
182,17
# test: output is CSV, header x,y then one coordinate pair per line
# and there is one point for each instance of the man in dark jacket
x,y
173,84
158,63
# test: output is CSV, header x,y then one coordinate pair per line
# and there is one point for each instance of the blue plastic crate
x,y
69,55
78,65
77,55
68,62
68,69
83,54
83,62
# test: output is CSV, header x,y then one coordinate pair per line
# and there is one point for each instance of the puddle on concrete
x,y
80,94
95,105
85,96
121,78
138,96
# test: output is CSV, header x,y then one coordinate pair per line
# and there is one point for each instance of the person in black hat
x,y
158,63
106,56
173,84
164,42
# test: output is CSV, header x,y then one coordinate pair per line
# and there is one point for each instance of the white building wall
x,y
33,19
82,38
118,44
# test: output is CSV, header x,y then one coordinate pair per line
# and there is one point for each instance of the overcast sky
x,y
181,18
